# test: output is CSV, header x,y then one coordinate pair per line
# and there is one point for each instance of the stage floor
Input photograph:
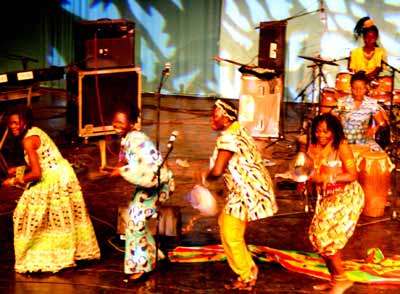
x,y
193,146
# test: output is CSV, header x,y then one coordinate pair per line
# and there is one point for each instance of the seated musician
x,y
360,115
369,57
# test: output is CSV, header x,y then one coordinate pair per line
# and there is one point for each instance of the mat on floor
x,y
375,268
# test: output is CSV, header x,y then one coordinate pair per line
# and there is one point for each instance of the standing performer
x,y
139,161
340,197
357,111
369,57
250,190
52,228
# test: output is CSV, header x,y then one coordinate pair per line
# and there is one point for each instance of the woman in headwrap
x,y
250,194
370,58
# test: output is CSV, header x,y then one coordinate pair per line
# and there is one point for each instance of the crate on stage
x,y
92,95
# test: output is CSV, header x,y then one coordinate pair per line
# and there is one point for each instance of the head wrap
x,y
368,23
227,109
364,24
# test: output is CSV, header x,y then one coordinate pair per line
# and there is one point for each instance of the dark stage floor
x,y
190,116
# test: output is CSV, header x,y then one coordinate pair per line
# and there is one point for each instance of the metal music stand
x,y
319,77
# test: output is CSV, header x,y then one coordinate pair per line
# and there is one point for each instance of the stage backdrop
x,y
189,33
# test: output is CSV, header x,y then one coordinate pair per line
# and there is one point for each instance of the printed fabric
x,y
250,189
356,121
142,161
52,228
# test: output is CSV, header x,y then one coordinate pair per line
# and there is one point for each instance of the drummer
x,y
360,115
369,57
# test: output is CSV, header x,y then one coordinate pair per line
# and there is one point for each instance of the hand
x,y
323,179
115,172
12,171
9,182
200,177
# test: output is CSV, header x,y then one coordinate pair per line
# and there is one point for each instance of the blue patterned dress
x,y
142,160
356,121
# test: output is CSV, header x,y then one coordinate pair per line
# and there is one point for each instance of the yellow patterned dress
x,y
336,213
52,228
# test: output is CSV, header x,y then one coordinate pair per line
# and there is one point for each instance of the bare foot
x,y
322,286
339,287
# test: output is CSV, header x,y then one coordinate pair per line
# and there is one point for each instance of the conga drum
x,y
343,82
381,89
328,100
374,177
358,150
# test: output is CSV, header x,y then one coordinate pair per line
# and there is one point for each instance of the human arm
x,y
30,145
221,162
349,171
380,120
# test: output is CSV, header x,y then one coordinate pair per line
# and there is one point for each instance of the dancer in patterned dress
x,y
250,190
340,197
356,113
138,164
52,228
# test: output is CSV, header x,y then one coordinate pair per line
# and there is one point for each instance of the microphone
x,y
167,69
322,11
172,138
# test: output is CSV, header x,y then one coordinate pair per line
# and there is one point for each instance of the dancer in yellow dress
x,y
52,228
340,197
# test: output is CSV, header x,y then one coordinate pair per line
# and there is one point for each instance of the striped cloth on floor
x,y
374,269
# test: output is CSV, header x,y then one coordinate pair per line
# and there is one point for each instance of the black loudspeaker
x,y
92,96
272,42
104,44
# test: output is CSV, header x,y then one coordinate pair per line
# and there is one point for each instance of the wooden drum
x,y
374,177
358,150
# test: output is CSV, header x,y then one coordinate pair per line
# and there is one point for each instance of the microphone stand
x,y
288,18
164,76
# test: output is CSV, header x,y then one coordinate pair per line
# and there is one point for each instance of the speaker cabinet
x,y
271,50
92,96
104,44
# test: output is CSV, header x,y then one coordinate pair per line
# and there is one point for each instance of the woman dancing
x,y
340,197
250,191
139,161
52,228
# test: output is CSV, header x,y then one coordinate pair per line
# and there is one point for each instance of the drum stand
x,y
319,76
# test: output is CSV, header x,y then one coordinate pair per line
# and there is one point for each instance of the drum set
x,y
380,89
